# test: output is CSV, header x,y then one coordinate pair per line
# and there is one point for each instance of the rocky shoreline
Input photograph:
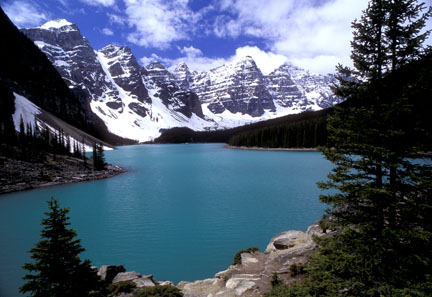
x,y
285,253
17,175
257,148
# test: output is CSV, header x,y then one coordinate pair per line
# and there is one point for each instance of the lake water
x,y
181,212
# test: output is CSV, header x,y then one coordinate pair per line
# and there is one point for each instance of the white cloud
x,y
194,58
153,58
306,32
107,31
190,51
24,13
116,19
105,3
266,61
157,23
313,34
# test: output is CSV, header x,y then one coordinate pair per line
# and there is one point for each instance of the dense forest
x,y
302,134
183,135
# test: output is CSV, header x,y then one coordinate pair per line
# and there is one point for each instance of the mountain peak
x,y
55,24
116,48
155,66
246,60
182,66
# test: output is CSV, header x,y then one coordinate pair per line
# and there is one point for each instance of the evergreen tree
x,y
98,157
21,135
381,200
57,270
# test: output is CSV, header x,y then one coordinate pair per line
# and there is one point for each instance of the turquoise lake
x,y
181,212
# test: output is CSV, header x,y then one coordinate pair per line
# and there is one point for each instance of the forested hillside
x,y
183,135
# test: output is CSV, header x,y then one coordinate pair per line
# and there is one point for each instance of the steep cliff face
x,y
184,77
171,93
238,87
76,61
126,72
315,88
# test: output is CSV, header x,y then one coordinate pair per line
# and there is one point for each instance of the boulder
x,y
109,272
240,285
166,283
314,230
205,288
139,279
145,281
287,240
126,276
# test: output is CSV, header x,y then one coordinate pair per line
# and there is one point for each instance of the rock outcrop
x,y
109,272
252,277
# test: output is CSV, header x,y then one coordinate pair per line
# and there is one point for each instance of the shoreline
x,y
17,175
257,148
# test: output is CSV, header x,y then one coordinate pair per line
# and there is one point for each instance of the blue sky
x,y
313,34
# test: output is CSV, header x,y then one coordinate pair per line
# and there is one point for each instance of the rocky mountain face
x,y
76,61
238,87
136,101
126,96
171,93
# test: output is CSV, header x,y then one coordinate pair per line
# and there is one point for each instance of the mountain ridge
x,y
138,101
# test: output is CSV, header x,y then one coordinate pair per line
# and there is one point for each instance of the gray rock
x,y
109,272
139,279
126,276
240,285
286,240
145,281
252,277
166,283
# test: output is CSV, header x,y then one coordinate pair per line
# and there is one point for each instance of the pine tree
x,y
381,197
21,135
98,157
57,270
101,157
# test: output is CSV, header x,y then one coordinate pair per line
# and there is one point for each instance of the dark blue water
x,y
180,212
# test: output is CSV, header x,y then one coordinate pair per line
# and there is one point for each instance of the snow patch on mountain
x,y
26,109
55,24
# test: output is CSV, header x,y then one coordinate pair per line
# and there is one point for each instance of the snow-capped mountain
x,y
136,101
119,91
238,87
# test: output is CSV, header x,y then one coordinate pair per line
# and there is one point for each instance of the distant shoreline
x,y
257,148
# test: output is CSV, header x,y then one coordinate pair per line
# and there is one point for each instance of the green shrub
x,y
237,256
276,281
121,287
159,291
296,269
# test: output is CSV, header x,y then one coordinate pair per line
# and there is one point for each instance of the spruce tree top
x,y
57,270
